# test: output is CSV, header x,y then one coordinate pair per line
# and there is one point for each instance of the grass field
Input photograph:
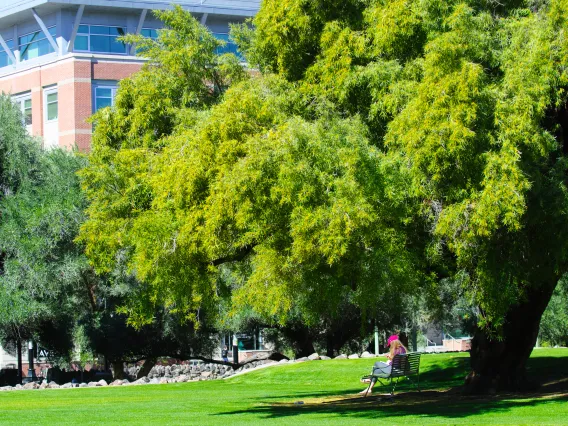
x,y
327,390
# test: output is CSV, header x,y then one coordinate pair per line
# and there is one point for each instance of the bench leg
x,y
417,384
394,386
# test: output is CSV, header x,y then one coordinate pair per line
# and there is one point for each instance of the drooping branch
x,y
235,257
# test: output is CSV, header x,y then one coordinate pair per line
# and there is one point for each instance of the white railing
x,y
430,342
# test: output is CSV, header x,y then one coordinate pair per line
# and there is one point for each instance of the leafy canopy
x,y
381,147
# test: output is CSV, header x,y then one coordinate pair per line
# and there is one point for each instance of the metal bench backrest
x,y
406,364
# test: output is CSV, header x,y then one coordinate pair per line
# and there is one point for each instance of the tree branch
x,y
239,255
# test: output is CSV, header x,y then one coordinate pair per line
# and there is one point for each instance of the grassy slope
x,y
327,389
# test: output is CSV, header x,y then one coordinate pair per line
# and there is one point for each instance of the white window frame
x,y
109,85
20,100
104,35
49,91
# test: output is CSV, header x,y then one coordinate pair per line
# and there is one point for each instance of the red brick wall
x,y
113,70
73,77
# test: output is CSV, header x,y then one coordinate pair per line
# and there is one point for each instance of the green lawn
x,y
326,388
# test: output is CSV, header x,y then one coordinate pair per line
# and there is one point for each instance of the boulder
x,y
164,381
324,358
353,356
44,385
18,387
342,356
116,383
182,378
6,388
31,385
53,385
283,361
67,385
102,382
93,384
367,355
303,359
206,374
83,385
314,357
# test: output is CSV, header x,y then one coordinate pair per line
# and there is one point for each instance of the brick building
x,y
60,59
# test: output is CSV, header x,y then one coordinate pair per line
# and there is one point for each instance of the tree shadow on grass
x,y
441,396
425,404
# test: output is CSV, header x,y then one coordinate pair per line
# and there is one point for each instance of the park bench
x,y
403,366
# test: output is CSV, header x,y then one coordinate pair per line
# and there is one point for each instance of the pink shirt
x,y
398,351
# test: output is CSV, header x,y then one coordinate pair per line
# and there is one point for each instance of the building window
x,y
100,39
51,105
149,33
24,102
230,46
104,96
27,111
5,59
35,44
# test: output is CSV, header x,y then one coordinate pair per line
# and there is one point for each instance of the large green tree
x,y
384,146
38,221
467,101
48,290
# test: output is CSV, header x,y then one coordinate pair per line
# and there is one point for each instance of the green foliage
x,y
286,40
45,276
554,323
182,71
250,178
384,147
18,152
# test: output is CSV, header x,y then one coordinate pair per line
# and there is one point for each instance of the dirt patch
x,y
556,389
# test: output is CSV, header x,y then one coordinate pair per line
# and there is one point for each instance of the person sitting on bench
x,y
384,368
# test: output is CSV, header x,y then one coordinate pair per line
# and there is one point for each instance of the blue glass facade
x,y
35,44
4,57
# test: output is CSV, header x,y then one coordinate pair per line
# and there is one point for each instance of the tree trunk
x,y
414,340
19,357
146,367
501,364
118,370
300,339
329,346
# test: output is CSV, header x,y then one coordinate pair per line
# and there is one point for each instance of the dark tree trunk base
x,y
500,365
146,367
118,370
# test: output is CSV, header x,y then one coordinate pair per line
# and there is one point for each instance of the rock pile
x,y
186,372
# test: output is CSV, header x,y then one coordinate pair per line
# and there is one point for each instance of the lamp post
x,y
19,356
31,377
235,349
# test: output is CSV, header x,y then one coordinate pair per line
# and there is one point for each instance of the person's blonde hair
x,y
394,345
